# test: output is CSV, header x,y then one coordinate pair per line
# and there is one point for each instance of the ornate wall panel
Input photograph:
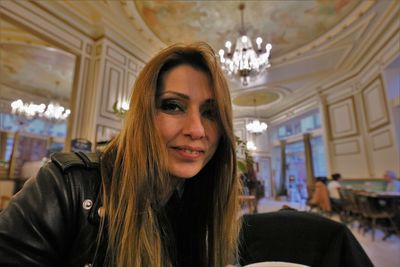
x,y
112,88
381,140
348,147
349,158
375,106
385,158
342,119
383,151
116,70
239,126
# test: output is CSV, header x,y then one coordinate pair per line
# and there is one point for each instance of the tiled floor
x,y
382,253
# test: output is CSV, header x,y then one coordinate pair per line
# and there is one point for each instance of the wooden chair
x,y
352,206
374,214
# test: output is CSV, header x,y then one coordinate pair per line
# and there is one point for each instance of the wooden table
x,y
383,205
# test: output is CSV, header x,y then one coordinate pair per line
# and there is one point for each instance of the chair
x,y
372,214
352,209
299,237
346,213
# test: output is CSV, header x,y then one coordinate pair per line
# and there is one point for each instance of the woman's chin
x,y
182,174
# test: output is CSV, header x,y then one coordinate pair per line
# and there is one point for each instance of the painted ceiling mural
x,y
21,65
30,64
286,24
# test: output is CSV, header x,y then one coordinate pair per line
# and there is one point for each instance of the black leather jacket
x,y
53,220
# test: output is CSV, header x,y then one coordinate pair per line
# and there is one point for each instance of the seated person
x,y
333,189
320,196
392,184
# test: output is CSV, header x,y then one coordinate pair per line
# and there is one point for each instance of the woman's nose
x,y
194,126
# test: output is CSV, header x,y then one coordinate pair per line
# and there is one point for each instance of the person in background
x,y
320,196
333,189
293,190
302,188
392,183
165,192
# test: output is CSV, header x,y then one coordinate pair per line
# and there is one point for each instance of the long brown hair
x,y
136,174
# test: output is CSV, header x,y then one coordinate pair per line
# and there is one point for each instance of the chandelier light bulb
x,y
244,39
17,104
228,46
258,42
125,105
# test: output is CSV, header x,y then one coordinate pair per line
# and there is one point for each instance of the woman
x,y
169,188
320,196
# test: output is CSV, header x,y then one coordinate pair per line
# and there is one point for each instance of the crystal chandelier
x,y
243,61
53,111
255,126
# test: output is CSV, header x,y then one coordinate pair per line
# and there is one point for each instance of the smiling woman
x,y
165,193
185,120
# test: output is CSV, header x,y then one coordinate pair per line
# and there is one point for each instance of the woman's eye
x,y
171,106
209,113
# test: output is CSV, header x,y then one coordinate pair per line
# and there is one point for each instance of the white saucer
x,y
275,264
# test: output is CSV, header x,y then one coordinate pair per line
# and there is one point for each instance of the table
x,y
380,205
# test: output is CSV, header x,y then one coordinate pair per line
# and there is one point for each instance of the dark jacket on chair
x,y
299,237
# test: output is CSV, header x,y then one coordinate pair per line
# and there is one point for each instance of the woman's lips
x,y
189,152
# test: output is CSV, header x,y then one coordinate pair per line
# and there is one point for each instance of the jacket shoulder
x,y
66,161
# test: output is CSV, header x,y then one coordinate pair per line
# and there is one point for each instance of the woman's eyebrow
x,y
176,93
210,102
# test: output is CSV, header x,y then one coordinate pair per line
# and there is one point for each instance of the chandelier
x,y
255,126
251,146
53,111
243,61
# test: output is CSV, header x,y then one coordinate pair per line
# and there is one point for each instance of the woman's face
x,y
186,120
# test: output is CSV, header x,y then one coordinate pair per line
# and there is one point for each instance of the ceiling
x,y
314,42
33,67
286,24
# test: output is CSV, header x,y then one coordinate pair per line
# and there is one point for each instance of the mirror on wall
x,y
35,90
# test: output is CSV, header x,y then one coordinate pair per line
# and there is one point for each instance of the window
x,y
12,123
318,155
301,124
295,154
